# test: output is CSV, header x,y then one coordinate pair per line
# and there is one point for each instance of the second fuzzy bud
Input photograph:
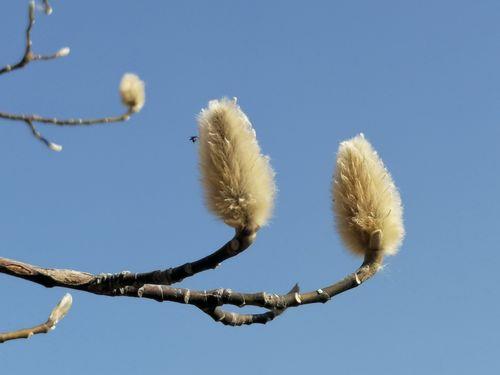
x,y
367,205
238,179
132,92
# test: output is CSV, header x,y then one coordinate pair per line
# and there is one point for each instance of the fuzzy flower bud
x,y
366,202
55,147
238,179
132,92
63,52
61,309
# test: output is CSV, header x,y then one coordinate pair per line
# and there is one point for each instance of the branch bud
x,y
63,52
367,204
61,309
132,92
238,179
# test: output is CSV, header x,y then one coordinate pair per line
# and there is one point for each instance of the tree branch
x,y
29,119
47,7
56,315
209,302
28,55
241,241
107,284
53,146
65,122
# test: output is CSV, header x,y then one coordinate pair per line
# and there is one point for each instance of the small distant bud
x,y
132,92
55,147
63,52
61,309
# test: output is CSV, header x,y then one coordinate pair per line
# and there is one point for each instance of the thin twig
x,y
65,122
28,55
47,7
242,239
107,284
29,119
53,146
56,315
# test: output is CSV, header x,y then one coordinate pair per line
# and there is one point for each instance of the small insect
x,y
193,138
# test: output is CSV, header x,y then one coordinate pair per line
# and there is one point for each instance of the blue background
x,y
419,78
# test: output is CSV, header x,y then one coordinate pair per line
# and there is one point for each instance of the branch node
x,y
140,292
161,292
297,298
186,296
325,297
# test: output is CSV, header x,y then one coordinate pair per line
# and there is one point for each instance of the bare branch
x,y
107,284
29,119
233,319
48,9
209,302
28,55
41,138
241,241
65,122
56,315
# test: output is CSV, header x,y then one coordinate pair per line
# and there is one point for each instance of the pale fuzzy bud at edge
x,y
61,309
63,52
132,92
238,180
365,199
55,147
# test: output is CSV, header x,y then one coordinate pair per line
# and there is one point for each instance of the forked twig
x,y
56,315
28,55
209,302
29,119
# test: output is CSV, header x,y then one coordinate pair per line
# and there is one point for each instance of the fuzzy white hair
x,y
365,199
132,92
238,179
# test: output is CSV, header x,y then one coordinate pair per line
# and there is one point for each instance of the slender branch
x,y
56,315
28,55
273,302
208,301
134,94
241,241
48,9
233,319
107,284
53,146
65,122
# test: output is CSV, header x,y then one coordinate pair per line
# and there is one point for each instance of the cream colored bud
x,y
365,200
238,179
55,147
63,52
132,92
61,309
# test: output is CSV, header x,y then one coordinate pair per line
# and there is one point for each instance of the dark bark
x,y
209,301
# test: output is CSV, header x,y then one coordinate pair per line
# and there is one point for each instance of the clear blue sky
x,y
420,78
